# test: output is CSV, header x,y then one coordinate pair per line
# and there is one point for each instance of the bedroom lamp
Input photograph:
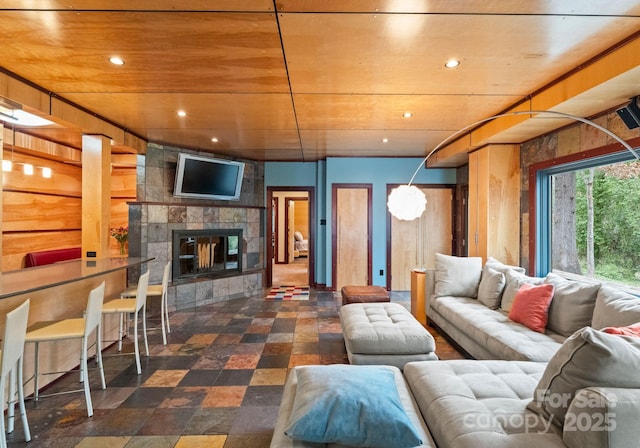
x,y
408,202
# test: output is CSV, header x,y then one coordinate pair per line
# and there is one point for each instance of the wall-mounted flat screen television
x,y
208,178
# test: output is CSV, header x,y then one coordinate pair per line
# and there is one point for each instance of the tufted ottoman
x,y
384,333
364,294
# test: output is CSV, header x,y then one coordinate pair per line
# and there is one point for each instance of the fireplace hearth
x,y
207,253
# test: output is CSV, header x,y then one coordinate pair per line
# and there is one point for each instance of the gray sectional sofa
x,y
470,303
572,385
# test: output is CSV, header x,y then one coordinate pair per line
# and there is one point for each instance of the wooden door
x,y
415,243
351,235
291,219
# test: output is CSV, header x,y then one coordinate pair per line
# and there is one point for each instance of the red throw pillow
x,y
631,330
531,306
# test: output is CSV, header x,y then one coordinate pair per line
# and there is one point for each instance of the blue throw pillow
x,y
350,405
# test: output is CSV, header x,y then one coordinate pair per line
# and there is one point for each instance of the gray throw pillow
x,y
491,285
457,276
514,281
572,305
615,308
587,358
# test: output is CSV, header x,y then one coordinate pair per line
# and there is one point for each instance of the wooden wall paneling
x,y
2,173
38,213
66,180
494,203
34,211
123,183
44,147
123,191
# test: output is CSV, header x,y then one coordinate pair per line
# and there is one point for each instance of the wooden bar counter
x,y
59,291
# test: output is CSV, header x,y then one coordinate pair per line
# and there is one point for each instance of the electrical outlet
x,y
91,254
381,271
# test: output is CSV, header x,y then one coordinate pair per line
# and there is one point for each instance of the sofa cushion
x,y
490,292
615,308
350,405
481,403
572,305
531,306
514,280
603,417
491,286
457,276
587,358
493,330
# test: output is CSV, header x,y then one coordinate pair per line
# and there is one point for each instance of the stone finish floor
x,y
218,382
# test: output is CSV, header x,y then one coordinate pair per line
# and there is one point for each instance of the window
x,y
589,219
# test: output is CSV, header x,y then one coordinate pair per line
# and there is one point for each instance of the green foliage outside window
x,y
616,221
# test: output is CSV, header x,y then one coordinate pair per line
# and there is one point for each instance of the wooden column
x,y
96,195
494,203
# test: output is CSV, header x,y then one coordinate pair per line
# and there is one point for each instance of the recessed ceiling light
x,y
214,139
385,140
115,60
451,63
407,115
182,113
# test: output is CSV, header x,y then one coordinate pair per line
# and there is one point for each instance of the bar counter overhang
x,y
59,291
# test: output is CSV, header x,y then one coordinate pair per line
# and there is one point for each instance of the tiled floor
x,y
218,382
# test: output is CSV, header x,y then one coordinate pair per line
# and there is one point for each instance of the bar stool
x,y
124,307
156,291
11,357
75,328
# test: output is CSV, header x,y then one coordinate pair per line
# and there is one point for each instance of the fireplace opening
x,y
211,253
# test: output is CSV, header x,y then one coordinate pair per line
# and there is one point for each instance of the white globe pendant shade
x,y
406,202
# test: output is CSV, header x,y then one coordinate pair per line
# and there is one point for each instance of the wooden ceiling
x,y
301,80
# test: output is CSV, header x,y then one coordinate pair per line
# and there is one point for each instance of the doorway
x,y
291,236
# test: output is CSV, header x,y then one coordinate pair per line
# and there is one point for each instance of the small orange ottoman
x,y
364,294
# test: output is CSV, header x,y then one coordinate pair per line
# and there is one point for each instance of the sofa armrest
x,y
430,287
603,417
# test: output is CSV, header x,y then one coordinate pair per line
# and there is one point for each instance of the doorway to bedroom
x,y
291,236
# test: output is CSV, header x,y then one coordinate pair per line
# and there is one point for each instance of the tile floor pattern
x,y
218,383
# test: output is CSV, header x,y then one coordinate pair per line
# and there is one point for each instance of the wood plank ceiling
x,y
302,80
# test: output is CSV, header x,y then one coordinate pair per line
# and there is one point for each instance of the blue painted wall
x,y
375,171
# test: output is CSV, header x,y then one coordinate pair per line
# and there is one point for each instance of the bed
x,y
300,245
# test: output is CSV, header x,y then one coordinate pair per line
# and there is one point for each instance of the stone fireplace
x,y
207,253
157,217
